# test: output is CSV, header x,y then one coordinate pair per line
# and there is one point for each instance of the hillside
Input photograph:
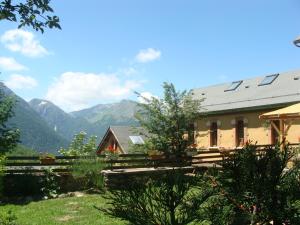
x,y
105,115
63,123
121,112
35,132
93,121
46,127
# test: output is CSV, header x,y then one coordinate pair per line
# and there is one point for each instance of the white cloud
x,y
147,55
144,96
129,71
24,42
17,81
76,90
8,63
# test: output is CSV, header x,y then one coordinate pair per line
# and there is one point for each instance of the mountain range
x,y
45,127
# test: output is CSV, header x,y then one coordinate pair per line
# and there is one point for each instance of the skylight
x,y
234,85
137,140
268,79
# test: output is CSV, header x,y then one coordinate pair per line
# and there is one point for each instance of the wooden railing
x,y
62,164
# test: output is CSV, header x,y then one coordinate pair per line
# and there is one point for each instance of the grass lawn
x,y
70,210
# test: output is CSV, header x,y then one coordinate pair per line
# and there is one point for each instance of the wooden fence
x,y
62,164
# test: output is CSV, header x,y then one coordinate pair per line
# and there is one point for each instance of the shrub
x,y
50,186
2,162
260,186
169,199
89,171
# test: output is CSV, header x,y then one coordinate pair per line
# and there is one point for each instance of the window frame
x,y
233,88
264,81
136,139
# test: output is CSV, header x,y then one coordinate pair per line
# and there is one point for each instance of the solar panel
x,y
234,85
268,79
137,140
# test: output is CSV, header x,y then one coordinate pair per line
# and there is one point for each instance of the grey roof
x,y
284,90
122,134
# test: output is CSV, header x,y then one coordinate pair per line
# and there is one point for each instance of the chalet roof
x,y
284,90
123,133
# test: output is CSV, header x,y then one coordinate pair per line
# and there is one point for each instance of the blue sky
x,y
108,49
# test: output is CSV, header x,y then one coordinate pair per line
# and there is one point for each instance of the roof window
x,y
137,140
234,85
268,79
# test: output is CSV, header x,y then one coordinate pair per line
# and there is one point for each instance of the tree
x,y
8,136
81,145
260,186
169,121
33,13
171,198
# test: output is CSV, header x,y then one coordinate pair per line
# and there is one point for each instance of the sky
x,y
107,50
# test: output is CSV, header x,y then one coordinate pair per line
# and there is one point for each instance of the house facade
x,y
230,111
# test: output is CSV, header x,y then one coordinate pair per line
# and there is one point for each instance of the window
x,y
239,133
269,79
234,85
137,140
213,134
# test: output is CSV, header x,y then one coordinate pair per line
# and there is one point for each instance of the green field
x,y
70,210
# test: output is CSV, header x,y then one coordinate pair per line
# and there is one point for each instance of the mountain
x,y
117,112
63,123
35,132
45,127
105,115
93,121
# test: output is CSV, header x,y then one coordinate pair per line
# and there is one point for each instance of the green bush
x,y
88,168
2,162
89,171
50,186
260,185
169,199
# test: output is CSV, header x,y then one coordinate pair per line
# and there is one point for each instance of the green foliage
x,y
50,186
169,199
7,218
34,131
33,13
168,120
260,186
86,169
21,150
8,136
80,146
89,171
2,168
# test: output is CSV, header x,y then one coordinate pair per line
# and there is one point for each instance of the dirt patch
x,y
65,218
72,203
